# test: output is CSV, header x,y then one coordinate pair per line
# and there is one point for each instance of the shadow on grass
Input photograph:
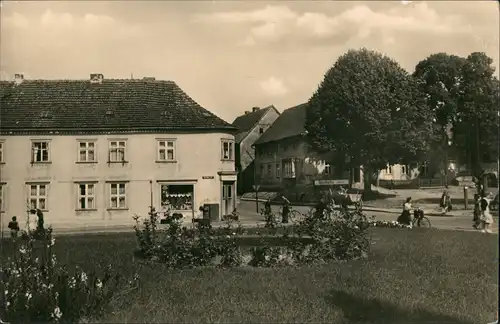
x,y
358,309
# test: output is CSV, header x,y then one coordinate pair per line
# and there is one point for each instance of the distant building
x,y
251,126
284,159
95,152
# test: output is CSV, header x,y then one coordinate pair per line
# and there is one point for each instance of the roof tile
x,y
290,123
114,105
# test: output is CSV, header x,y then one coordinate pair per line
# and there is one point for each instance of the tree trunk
x,y
367,179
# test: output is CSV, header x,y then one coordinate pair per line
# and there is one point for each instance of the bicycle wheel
x,y
424,222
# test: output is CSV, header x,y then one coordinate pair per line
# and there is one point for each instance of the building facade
x,y
251,125
97,152
285,160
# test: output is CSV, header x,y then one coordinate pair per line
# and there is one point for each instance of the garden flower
x,y
56,314
72,282
84,277
6,293
22,250
99,284
52,242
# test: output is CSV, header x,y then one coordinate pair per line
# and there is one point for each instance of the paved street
x,y
247,210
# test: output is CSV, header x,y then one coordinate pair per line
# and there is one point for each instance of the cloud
x,y
265,15
277,23
273,87
58,38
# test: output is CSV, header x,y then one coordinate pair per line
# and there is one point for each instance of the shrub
x,y
180,247
336,235
34,287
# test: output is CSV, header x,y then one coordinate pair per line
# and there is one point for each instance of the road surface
x,y
247,210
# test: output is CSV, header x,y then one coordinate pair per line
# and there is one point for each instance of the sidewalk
x,y
453,213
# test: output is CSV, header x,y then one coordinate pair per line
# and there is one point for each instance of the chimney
x,y
246,112
18,78
254,109
96,78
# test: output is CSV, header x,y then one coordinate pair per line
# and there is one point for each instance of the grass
x,y
418,276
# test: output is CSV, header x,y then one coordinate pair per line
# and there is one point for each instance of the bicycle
x,y
293,215
420,219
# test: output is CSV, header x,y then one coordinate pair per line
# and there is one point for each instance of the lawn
x,y
418,276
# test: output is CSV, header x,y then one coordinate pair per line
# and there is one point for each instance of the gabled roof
x,y
290,123
113,106
245,123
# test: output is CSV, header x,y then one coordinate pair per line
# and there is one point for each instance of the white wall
x,y
198,156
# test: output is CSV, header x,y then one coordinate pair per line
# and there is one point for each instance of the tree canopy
x,y
463,94
369,111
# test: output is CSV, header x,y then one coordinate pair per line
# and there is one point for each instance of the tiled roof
x,y
290,123
77,106
245,123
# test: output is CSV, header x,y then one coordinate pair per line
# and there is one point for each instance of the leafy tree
x,y
369,111
476,128
463,95
439,77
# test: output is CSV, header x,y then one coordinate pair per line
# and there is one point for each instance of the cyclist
x,y
405,217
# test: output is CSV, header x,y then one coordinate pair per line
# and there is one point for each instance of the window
x,y
177,197
261,173
405,169
269,170
261,130
227,150
40,152
1,152
38,196
86,196
117,151
166,150
278,174
86,151
2,199
389,169
288,169
118,196
327,170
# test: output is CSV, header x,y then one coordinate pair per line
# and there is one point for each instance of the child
x,y
486,217
14,227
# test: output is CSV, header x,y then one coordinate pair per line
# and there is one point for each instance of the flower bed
x,y
341,235
34,287
390,224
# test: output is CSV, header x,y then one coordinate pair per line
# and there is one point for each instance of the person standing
x,y
445,202
476,221
286,210
486,217
14,227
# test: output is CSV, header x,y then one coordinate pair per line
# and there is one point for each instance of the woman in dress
x,y
486,217
405,217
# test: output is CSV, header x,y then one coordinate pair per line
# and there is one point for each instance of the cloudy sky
x,y
232,55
